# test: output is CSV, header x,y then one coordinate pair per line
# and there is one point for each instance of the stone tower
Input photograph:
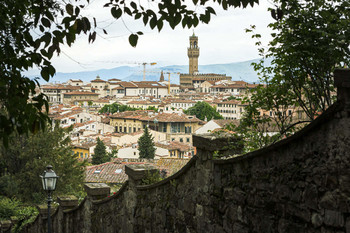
x,y
193,54
161,79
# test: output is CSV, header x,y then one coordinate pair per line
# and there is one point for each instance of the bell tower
x,y
193,54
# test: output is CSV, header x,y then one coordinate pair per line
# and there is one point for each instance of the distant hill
x,y
238,71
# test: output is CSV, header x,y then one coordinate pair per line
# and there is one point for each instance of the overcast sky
x,y
223,40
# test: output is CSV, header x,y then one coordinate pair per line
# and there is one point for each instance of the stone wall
x,y
300,184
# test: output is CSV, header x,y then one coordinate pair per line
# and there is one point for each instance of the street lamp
x,y
49,179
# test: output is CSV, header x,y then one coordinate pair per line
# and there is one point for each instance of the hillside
x,y
238,71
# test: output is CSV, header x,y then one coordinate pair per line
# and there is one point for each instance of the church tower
x,y
193,54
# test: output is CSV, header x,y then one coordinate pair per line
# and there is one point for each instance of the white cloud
x,y
223,40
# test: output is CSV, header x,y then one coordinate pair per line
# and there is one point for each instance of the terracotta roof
x,y
60,87
107,173
98,81
114,80
142,102
223,123
75,80
149,84
80,93
127,84
174,145
118,88
144,115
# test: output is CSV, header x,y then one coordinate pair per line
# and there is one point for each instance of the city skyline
x,y
221,41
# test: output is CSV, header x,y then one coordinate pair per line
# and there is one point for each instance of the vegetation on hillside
x,y
203,111
27,157
309,41
115,107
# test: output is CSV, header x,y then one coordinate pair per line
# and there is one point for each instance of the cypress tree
x,y
100,154
146,145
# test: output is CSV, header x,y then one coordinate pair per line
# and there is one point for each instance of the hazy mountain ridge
x,y
237,70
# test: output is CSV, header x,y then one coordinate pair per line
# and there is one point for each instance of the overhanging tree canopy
x,y
31,31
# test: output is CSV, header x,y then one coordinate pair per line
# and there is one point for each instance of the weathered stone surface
x,y
139,171
333,218
67,202
97,190
316,220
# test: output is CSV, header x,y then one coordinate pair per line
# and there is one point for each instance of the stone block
x,y
67,202
333,218
342,82
225,143
5,225
97,190
347,225
316,220
139,171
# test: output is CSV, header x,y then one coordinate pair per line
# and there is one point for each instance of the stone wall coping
x,y
117,195
5,224
182,171
96,189
138,171
67,201
324,117
215,142
80,205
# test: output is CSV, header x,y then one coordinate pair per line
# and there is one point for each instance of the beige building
x,y
188,81
177,127
231,109
55,92
79,97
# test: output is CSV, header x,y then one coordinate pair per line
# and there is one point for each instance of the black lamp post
x,y
49,179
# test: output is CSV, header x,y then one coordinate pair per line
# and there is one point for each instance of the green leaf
x,y
69,9
159,25
116,13
133,40
45,22
45,74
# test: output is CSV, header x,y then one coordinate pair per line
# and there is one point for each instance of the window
x,y
172,139
134,129
129,129
134,153
187,139
289,112
81,154
118,171
124,129
181,140
97,171
175,127
86,155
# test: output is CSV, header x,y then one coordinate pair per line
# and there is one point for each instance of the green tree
x,y
203,110
146,145
27,157
100,154
31,31
115,107
309,41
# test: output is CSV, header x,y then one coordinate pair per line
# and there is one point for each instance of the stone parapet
x,y
342,83
97,190
137,172
67,202
5,226
222,144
